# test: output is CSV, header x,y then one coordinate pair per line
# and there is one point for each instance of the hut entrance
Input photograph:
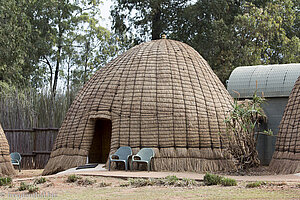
x,y
100,147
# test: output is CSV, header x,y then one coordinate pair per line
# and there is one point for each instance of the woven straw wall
x,y
6,167
160,94
286,158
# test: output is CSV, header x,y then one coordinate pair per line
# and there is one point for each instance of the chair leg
x,y
148,166
19,168
109,162
131,168
125,165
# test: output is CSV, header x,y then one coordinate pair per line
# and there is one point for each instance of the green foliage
x,y
23,186
167,181
141,182
5,181
255,184
40,180
243,127
73,178
228,182
171,180
85,181
33,188
150,18
212,179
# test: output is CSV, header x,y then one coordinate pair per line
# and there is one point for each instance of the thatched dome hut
x,y
6,167
286,158
160,94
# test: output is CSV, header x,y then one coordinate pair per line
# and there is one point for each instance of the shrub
x,y
32,188
73,178
124,184
23,186
228,182
103,184
85,182
255,184
171,180
141,182
40,180
5,181
212,179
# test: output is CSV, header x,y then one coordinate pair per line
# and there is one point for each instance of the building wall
x,y
274,108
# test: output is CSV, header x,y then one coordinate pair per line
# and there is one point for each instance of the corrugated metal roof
x,y
272,80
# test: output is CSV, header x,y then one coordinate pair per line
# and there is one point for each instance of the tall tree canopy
x,y
227,33
146,19
44,41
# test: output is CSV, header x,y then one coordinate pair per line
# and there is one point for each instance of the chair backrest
x,y
123,152
15,156
146,154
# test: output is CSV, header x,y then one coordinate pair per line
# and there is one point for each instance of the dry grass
x,y
111,188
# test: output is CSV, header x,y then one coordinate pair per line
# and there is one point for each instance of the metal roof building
x,y
272,80
275,83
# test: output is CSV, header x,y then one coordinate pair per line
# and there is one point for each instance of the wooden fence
x,y
34,145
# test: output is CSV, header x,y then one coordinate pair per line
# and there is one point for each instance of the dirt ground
x,y
91,186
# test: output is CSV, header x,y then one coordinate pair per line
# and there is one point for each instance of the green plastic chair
x,y
121,155
16,159
143,156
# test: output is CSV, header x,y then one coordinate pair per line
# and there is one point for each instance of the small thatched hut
x,y
160,94
6,167
286,158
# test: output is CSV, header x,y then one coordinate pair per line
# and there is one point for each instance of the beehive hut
x,y
160,94
6,167
286,158
275,82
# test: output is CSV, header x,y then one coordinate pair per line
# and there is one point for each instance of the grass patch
x,y
167,181
104,184
228,182
5,181
23,186
33,188
213,179
85,182
73,178
40,180
255,184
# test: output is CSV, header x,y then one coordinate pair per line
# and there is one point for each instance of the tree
x,y
22,41
233,33
145,18
266,35
243,128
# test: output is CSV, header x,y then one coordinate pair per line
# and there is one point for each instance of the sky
x,y
105,13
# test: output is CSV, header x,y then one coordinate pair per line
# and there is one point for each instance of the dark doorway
x,y
100,147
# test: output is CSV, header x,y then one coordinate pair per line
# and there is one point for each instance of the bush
x,y
124,184
5,181
23,186
73,178
32,188
228,182
103,184
141,182
40,180
255,184
212,179
171,180
85,182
